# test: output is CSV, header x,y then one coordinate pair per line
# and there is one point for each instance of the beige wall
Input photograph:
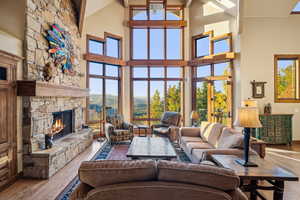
x,y
13,45
262,37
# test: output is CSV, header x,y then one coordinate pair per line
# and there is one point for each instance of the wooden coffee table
x,y
151,148
266,170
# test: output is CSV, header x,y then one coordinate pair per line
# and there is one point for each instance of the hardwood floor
x,y
289,161
294,147
28,189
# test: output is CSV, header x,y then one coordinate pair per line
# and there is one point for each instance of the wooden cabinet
x,y
8,134
277,129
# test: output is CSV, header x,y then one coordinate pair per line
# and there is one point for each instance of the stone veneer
x,y
37,111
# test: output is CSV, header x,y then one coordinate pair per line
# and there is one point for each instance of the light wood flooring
x,y
29,189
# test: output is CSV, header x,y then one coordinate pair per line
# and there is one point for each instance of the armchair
x,y
169,125
117,130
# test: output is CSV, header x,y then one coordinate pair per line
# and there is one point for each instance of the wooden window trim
x,y
282,57
228,37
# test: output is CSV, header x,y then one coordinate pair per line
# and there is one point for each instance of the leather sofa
x,y
199,143
159,180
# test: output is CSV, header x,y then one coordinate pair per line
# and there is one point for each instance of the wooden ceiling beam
x,y
125,3
81,15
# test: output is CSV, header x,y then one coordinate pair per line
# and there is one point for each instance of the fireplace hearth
x,y
63,123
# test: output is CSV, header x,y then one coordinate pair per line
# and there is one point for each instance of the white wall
x,y
262,37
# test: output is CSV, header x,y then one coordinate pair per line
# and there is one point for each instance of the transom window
x,y
155,90
109,46
157,12
296,9
287,78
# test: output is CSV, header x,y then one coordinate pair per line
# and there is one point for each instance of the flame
x,y
57,126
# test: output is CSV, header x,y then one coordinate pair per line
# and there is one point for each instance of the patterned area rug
x,y
112,152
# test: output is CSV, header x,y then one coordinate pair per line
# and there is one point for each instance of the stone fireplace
x,y
55,104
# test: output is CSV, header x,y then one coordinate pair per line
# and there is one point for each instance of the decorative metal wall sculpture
x,y
61,48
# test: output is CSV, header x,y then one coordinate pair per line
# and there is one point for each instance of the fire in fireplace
x,y
63,124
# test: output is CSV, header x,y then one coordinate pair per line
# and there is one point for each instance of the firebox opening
x,y
63,124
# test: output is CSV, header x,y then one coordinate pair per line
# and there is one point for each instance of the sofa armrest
x,y
80,192
128,126
237,194
189,131
109,129
234,151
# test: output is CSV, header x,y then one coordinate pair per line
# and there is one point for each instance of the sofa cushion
x,y
203,128
212,133
157,190
107,172
230,138
185,139
197,145
214,177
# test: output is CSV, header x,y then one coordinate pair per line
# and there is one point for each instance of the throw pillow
x,y
230,138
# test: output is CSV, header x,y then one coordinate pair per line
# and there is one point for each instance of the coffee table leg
x,y
279,189
253,194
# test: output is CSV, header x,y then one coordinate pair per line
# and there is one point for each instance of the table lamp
x,y
248,118
194,117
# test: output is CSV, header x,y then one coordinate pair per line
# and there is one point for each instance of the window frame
x,y
228,37
208,34
210,79
105,60
150,79
278,57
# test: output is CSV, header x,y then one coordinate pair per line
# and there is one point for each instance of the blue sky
x,y
297,7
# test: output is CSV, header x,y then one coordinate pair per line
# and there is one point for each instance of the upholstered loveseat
x,y
210,138
159,180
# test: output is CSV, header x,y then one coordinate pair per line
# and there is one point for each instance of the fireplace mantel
x,y
41,89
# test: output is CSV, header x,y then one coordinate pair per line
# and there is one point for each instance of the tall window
x,y
212,82
155,90
103,80
156,85
287,78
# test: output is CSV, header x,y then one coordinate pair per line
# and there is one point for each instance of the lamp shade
x,y
249,103
195,115
248,117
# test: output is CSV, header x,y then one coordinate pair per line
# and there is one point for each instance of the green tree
x,y
286,81
173,99
201,101
157,106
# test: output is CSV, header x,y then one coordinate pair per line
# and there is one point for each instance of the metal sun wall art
x,y
61,48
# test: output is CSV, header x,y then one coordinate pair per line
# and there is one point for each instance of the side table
x,y
142,128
